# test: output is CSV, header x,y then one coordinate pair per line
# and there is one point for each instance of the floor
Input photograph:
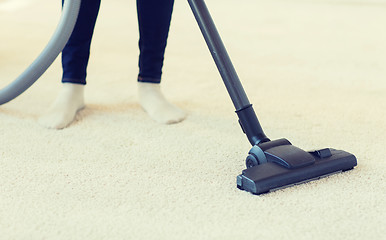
x,y
314,70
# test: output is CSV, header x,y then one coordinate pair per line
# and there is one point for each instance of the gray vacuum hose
x,y
47,56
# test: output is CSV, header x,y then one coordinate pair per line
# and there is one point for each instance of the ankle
x,y
73,88
72,92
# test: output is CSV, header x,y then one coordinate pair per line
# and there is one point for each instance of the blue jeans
x,y
154,18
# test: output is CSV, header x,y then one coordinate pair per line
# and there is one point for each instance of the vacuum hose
x,y
47,56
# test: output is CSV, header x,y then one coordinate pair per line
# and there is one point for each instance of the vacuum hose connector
x,y
47,56
251,126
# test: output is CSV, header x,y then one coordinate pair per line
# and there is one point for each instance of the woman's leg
x,y
154,18
76,53
75,57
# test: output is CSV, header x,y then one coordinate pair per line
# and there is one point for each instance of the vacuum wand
x,y
270,164
247,117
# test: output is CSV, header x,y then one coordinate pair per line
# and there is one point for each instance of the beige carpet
x,y
315,71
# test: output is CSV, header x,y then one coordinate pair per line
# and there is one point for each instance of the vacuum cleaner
x,y
270,164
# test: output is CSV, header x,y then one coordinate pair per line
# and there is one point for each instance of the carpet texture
x,y
314,70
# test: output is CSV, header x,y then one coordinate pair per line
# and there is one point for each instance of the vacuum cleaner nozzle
x,y
278,164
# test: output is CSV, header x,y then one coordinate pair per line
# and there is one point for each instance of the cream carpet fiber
x,y
315,71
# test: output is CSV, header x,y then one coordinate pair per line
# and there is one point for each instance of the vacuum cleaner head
x,y
278,164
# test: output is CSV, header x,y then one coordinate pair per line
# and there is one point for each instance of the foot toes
x,y
57,119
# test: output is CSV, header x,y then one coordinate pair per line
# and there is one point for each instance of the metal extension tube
x,y
247,117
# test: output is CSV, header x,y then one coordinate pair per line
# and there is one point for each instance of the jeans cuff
x,y
148,80
74,80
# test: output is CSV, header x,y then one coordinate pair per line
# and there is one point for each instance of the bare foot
x,y
154,103
63,111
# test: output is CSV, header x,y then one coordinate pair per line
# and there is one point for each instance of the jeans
x,y
154,18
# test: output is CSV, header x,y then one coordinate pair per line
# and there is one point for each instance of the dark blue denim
x,y
154,18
